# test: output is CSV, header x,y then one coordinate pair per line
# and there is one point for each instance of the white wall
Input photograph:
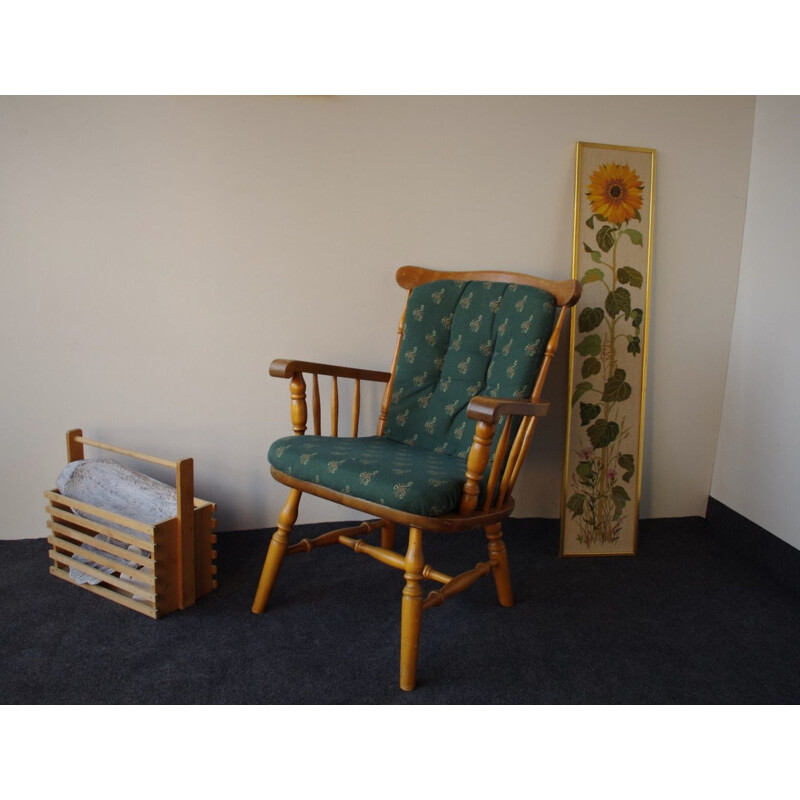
x,y
756,468
157,253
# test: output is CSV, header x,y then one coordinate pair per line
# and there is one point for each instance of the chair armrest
x,y
490,409
286,367
487,411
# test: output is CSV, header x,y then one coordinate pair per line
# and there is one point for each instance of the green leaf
x,y
590,222
631,276
588,412
592,275
636,236
580,390
602,433
634,345
637,215
590,367
590,345
626,462
617,388
585,471
605,238
619,491
575,504
619,301
596,254
590,318
638,316
620,498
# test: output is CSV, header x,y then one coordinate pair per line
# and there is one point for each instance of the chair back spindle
x,y
297,388
499,457
356,409
387,392
315,405
334,406
525,433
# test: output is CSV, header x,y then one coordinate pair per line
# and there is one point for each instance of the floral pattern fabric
x,y
374,468
460,339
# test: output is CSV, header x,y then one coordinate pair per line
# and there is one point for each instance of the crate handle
x,y
75,454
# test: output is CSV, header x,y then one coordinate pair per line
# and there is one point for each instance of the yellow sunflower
x,y
615,191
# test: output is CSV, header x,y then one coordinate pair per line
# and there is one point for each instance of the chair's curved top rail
x,y
566,293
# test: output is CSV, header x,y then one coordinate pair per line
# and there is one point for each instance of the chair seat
x,y
376,469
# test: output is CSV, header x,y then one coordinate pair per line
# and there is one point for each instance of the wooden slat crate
x,y
176,565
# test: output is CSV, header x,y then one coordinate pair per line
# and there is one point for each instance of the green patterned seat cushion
x,y
376,469
462,339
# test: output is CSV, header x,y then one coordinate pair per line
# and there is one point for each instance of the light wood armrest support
x,y
490,409
286,368
477,460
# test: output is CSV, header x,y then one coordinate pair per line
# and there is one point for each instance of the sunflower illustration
x,y
615,192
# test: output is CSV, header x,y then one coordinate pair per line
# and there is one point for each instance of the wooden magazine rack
x,y
176,564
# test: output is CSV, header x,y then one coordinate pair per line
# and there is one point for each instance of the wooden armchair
x,y
471,359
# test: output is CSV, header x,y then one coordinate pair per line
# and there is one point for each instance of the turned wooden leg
x,y
387,536
502,575
277,549
411,617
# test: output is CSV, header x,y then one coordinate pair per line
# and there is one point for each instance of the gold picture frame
x,y
612,253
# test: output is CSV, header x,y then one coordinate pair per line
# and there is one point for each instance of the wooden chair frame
x,y
491,414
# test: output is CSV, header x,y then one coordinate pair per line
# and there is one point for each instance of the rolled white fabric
x,y
109,485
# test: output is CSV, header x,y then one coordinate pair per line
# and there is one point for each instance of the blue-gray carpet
x,y
686,621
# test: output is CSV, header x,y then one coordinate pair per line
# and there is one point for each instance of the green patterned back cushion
x,y
461,339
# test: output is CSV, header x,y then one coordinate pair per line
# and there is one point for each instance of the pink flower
x,y
611,475
586,453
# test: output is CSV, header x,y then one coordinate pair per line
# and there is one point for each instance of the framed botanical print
x,y
612,255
